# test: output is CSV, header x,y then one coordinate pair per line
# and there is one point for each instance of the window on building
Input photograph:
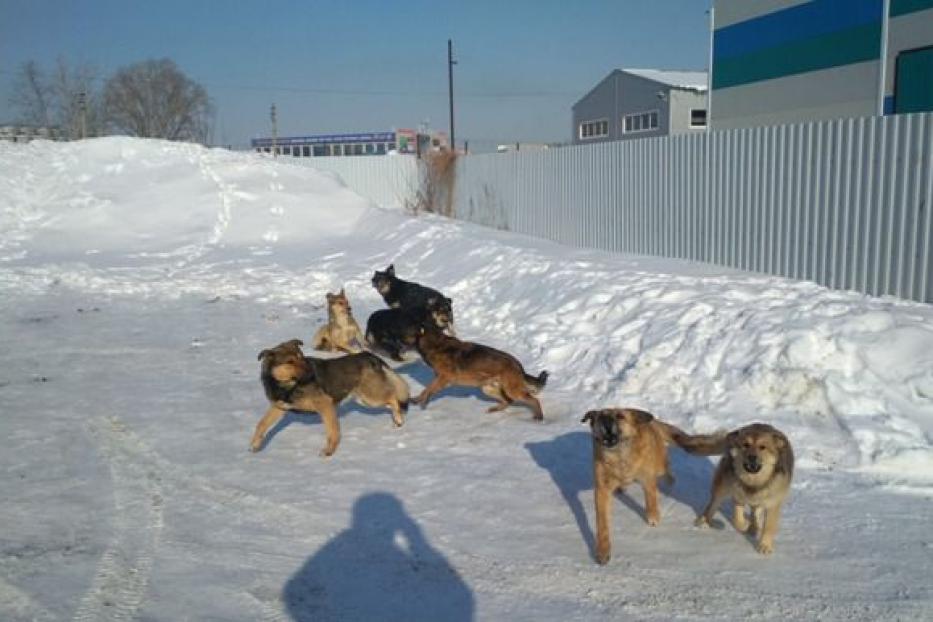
x,y
337,150
286,150
391,146
320,150
380,148
357,149
306,151
640,122
697,117
594,129
370,148
296,151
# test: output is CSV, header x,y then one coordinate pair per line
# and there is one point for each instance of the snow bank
x,y
848,377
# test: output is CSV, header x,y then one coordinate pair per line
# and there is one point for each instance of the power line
x,y
334,91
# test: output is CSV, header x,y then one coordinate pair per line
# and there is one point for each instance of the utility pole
x,y
450,85
275,132
82,112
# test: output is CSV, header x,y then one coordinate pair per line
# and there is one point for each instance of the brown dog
x,y
341,331
629,446
499,375
756,469
293,381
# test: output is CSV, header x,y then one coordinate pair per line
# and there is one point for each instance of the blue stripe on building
x,y
810,20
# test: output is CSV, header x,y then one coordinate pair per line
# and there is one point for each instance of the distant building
x,y
18,133
371,143
785,61
640,103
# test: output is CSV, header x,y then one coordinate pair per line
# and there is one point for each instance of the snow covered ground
x,y
139,279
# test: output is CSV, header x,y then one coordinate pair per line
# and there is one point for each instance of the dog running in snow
x,y
498,374
629,445
755,469
293,381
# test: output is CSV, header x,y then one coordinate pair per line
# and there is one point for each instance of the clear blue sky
x,y
368,65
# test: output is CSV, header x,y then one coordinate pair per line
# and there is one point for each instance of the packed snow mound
x,y
137,199
848,377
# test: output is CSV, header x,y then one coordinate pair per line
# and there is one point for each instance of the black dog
x,y
400,294
394,330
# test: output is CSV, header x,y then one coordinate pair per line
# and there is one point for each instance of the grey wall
x,y
681,102
600,103
844,91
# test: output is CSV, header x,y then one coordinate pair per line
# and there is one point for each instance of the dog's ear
x,y
330,297
449,302
589,417
263,354
732,438
342,293
641,417
391,269
295,343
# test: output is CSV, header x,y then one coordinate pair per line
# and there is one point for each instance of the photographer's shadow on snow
x,y
380,568
569,460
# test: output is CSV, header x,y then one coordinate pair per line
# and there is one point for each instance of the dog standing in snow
x,y
756,469
629,445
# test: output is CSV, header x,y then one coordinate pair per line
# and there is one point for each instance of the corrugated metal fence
x,y
845,203
390,181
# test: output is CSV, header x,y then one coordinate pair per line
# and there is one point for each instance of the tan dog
x,y
498,374
629,446
341,331
756,469
293,381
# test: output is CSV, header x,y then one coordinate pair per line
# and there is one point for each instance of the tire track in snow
x,y
121,581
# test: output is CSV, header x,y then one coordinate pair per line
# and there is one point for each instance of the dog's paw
x,y
740,527
702,522
254,447
765,548
653,521
602,558
327,452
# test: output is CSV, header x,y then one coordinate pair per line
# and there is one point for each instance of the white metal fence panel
x,y
389,181
845,203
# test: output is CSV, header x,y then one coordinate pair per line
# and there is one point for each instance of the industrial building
x,y
369,143
785,61
640,103
19,133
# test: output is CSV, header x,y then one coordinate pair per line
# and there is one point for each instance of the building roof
x,y
680,79
693,80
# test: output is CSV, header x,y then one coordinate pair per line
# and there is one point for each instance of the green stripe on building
x,y
846,47
900,7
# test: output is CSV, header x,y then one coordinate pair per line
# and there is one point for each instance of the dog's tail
x,y
400,389
536,384
700,444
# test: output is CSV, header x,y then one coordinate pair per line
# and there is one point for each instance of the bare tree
x,y
31,95
66,99
154,99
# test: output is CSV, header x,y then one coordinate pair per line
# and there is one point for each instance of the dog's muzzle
x,y
751,465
